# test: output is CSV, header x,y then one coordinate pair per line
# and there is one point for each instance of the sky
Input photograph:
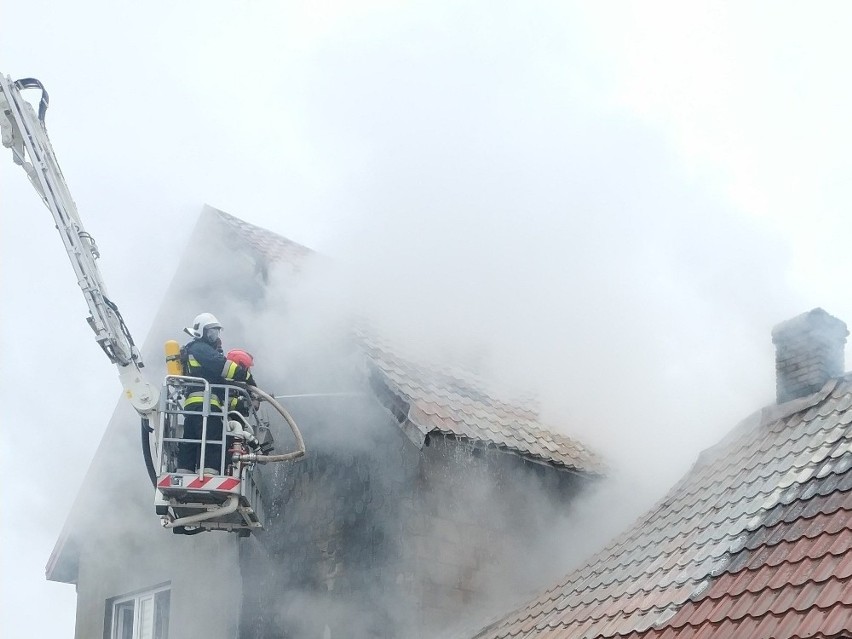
x,y
606,204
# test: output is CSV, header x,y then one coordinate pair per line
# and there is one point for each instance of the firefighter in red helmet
x,y
239,360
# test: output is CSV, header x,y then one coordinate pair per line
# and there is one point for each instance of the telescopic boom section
x,y
24,132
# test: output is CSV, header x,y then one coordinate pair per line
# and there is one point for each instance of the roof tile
x,y
445,401
756,541
271,246
452,403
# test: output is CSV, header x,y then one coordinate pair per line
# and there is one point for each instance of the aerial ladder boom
x,y
24,132
222,497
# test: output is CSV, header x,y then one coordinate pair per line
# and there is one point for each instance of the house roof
x,y
443,401
754,542
428,400
511,428
271,246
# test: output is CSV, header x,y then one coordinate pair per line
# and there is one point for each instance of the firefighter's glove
x,y
266,448
242,406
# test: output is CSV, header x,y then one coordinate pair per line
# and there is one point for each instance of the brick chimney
x,y
808,352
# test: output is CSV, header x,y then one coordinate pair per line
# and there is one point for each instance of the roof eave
x,y
409,426
63,563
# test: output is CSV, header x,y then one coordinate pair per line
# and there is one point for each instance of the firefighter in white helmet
x,y
203,357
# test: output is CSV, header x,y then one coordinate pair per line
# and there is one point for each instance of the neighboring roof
x,y
430,400
754,542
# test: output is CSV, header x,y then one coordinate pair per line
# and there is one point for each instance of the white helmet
x,y
202,322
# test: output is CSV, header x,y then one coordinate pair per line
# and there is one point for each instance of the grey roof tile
x,y
271,246
778,493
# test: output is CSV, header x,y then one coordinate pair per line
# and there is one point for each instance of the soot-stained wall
x,y
370,536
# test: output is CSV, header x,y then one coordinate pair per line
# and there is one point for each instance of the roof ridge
x,y
269,244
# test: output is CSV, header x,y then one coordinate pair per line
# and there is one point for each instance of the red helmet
x,y
242,358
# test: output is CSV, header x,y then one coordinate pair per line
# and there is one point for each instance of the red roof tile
x,y
455,403
755,541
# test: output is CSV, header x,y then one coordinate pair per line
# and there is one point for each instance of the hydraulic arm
x,y
24,132
223,497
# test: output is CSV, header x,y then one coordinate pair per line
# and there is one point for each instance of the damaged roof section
x,y
426,400
754,542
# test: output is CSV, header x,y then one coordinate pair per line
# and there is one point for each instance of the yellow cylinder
x,y
173,365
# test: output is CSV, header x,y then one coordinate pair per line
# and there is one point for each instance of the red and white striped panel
x,y
216,483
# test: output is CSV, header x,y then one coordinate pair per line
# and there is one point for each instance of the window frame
x,y
138,599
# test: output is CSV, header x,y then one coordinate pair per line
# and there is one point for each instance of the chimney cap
x,y
814,320
809,351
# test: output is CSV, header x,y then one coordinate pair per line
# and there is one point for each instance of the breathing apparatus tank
x,y
173,363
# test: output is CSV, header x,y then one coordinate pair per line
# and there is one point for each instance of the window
x,y
141,616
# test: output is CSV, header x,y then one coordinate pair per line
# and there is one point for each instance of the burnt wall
x,y
370,536
479,523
